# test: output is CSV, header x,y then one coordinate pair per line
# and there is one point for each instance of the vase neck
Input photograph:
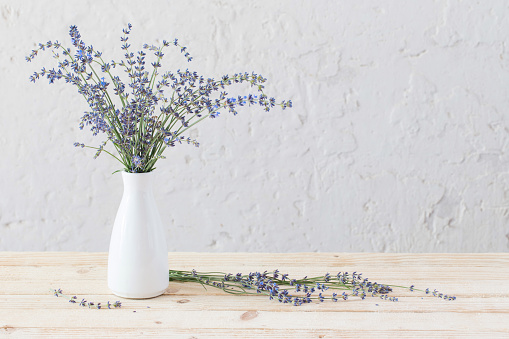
x,y
137,182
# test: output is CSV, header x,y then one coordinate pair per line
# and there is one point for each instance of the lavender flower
x,y
155,108
137,161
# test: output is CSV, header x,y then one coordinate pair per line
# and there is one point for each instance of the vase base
x,y
138,295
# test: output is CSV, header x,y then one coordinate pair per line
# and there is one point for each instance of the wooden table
x,y
479,281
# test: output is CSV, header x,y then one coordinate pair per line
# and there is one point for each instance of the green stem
x,y
103,150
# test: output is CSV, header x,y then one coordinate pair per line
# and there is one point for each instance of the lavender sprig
x,y
296,291
83,302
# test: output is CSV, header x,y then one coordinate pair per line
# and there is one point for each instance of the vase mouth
x,y
138,181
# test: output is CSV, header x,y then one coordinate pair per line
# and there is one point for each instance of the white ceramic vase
x,y
138,256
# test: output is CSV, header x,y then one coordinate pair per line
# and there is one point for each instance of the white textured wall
x,y
397,142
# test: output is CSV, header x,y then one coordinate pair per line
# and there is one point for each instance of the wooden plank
x,y
85,287
244,303
454,283
16,280
194,333
204,319
485,273
272,260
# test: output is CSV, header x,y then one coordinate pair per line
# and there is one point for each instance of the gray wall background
x,y
397,142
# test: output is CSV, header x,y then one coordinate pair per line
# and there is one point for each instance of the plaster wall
x,y
397,142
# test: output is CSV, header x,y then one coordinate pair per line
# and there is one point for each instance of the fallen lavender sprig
x,y
83,302
277,286
297,291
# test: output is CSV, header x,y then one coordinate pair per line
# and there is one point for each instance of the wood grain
x,y
480,281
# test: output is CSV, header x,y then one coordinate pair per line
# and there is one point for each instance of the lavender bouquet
x,y
159,108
